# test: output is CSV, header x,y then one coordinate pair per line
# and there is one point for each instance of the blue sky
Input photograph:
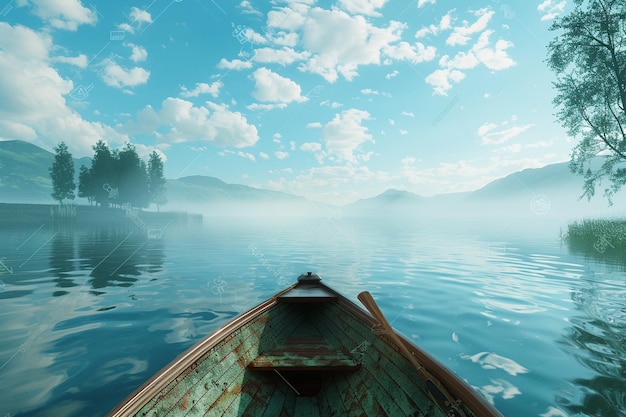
x,y
333,101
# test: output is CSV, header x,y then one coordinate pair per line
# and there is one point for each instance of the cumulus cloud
x,y
202,88
550,10
235,64
272,87
80,61
138,18
138,53
33,103
283,56
403,51
338,42
281,155
115,75
442,79
365,7
494,57
461,35
445,23
422,3
179,120
345,133
62,14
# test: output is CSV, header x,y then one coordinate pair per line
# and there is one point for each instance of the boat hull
x,y
308,351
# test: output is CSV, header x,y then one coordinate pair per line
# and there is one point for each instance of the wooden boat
x,y
307,351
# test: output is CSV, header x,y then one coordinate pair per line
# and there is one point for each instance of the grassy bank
x,y
598,237
20,215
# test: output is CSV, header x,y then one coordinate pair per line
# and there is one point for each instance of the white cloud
x,y
408,160
494,58
283,56
311,147
403,132
202,88
138,54
271,87
461,35
549,10
63,14
338,42
441,80
505,135
263,155
246,155
235,64
422,3
493,134
392,74
247,8
345,134
80,61
365,7
179,120
33,102
415,54
115,75
314,125
281,155
486,127
407,113
137,18
367,91
444,24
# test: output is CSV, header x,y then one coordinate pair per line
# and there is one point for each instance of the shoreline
x,y
22,214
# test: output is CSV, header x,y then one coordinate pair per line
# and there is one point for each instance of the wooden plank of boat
x,y
307,351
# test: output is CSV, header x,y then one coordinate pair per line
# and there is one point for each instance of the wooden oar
x,y
439,393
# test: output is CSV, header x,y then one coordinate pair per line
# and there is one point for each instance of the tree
x,y
132,177
156,180
85,184
103,175
589,59
62,174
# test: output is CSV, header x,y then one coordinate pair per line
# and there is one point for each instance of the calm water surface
x,y
87,315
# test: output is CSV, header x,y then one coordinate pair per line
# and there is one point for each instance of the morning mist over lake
x,y
171,171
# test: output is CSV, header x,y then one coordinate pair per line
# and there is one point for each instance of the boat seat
x,y
308,294
304,354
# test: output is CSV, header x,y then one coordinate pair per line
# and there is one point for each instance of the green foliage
x,y
588,57
132,178
62,174
102,173
156,180
599,237
120,177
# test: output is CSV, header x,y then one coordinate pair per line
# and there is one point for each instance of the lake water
x,y
87,315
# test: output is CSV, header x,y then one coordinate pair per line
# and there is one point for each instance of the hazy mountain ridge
x,y
551,190
24,178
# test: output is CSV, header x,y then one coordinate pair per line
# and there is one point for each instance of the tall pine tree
x,y
62,174
156,180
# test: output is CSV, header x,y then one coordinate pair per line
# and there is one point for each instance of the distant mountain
x,y
552,190
551,179
24,175
198,187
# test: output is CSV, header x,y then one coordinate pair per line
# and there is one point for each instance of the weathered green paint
x,y
324,348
